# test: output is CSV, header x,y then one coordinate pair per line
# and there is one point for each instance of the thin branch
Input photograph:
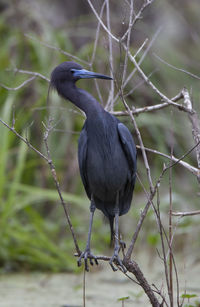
x,y
12,129
49,128
176,68
187,213
161,232
146,163
57,49
127,43
97,35
136,18
192,169
195,124
110,103
19,86
27,72
53,171
141,59
171,293
101,22
165,98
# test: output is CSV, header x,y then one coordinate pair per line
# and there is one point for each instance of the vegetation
x,y
34,234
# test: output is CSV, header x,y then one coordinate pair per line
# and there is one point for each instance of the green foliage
x,y
33,230
124,298
186,295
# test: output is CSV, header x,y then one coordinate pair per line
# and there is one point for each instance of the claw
x,y
87,255
122,244
116,259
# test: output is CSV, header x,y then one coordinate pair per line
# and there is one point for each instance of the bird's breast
x,y
107,168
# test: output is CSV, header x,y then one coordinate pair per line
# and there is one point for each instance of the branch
x,y
136,18
188,213
19,86
176,68
57,49
195,124
12,129
192,169
28,72
52,168
49,128
101,22
133,267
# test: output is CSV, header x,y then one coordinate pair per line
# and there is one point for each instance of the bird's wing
x,y
128,146
82,159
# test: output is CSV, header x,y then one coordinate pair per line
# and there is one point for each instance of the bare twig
x,y
27,72
97,35
49,161
137,17
195,124
12,129
164,97
141,58
101,22
48,129
110,104
57,49
171,293
127,43
176,68
19,86
162,233
188,213
190,168
146,163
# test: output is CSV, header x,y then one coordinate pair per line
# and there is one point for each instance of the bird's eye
x,y
72,71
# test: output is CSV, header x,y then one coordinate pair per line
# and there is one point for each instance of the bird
x,y
107,156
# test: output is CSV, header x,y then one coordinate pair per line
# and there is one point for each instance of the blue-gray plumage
x,y
106,153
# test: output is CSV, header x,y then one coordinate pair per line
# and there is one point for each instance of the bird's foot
x,y
122,244
87,255
116,259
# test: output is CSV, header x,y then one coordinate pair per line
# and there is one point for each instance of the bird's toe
x,y
87,255
116,259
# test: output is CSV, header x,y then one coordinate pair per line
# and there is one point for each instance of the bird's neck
x,y
82,99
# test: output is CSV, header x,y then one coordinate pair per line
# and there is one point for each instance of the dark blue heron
x,y
106,154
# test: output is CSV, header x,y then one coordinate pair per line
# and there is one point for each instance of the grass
x,y
33,231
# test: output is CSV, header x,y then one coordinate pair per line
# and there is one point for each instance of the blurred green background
x,y
33,231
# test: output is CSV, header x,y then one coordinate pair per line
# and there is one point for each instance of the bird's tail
x,y
111,220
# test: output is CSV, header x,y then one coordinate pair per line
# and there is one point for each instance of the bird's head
x,y
72,72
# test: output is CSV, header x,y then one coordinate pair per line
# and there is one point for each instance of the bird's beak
x,y
86,74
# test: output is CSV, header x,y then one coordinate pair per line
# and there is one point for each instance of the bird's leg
x,y
87,254
115,257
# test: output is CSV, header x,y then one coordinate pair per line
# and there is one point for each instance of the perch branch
x,y
133,267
